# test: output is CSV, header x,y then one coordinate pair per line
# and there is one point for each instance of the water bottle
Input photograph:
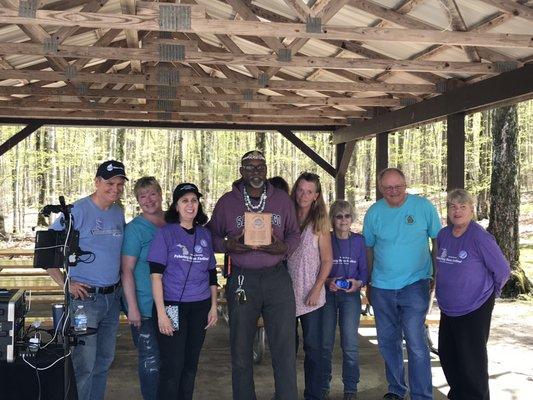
x,y
80,320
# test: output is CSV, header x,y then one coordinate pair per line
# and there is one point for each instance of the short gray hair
x,y
460,196
391,169
337,206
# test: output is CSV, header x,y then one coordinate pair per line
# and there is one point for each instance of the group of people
x,y
311,274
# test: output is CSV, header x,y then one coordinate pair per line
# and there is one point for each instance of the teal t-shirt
x,y
138,236
400,238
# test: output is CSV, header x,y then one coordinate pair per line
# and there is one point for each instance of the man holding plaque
x,y
256,225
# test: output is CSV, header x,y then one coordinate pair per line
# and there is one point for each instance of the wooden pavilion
x,y
356,68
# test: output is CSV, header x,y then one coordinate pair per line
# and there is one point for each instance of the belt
x,y
103,290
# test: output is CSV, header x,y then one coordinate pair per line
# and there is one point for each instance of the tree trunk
x,y
505,196
40,149
260,142
368,169
482,207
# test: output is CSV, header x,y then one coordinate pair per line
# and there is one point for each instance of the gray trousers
x,y
268,292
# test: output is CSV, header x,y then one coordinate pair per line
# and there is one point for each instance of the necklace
x,y
260,206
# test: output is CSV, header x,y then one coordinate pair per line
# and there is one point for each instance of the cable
x,y
48,366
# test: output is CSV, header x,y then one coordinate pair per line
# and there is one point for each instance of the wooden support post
x,y
382,157
18,137
340,177
456,151
309,152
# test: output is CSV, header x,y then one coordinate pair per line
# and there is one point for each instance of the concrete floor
x,y
214,376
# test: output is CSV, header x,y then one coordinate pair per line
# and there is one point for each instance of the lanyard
x,y
345,267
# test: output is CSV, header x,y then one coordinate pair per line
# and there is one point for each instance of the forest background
x,y
58,161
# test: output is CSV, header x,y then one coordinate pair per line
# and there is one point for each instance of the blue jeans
x,y
347,306
312,339
404,311
145,340
92,360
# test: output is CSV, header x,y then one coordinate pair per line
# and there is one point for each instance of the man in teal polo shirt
x,y
397,230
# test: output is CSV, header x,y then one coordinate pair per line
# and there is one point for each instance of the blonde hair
x,y
339,206
145,182
318,214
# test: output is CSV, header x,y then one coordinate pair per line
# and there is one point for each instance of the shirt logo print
x,y
410,220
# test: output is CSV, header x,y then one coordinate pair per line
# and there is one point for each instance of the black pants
x,y
463,352
268,292
180,352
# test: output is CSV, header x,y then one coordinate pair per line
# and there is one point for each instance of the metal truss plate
x,y
313,25
164,105
284,55
407,101
82,89
168,76
263,79
505,66
70,72
27,8
166,92
174,17
171,52
50,44
248,94
234,108
165,116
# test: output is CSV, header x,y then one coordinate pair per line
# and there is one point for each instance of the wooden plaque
x,y
257,229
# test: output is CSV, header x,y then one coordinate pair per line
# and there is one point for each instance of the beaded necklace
x,y
260,206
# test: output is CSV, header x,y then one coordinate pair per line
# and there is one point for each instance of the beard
x,y
256,183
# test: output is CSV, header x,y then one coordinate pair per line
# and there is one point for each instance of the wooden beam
x,y
151,53
455,145
506,88
344,152
174,107
512,7
10,120
182,95
295,140
150,22
382,157
174,117
19,137
54,76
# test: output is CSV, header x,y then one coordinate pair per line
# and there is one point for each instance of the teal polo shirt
x,y
400,239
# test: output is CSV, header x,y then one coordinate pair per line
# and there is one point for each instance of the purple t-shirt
x,y
349,257
228,220
180,251
469,269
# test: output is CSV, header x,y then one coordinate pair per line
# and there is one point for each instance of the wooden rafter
x,y
200,24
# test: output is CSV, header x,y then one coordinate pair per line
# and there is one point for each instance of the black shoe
x,y
392,396
349,396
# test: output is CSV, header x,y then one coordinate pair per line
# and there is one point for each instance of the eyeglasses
x,y
341,216
393,188
254,168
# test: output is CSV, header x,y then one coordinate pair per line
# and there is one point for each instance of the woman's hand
x,y
165,325
330,284
212,317
313,297
356,285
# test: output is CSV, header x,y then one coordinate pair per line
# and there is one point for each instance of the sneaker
x,y
392,396
349,396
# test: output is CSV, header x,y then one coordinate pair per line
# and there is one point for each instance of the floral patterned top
x,y
304,266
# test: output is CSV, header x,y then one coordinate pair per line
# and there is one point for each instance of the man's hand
x,y
275,248
134,317
78,290
234,245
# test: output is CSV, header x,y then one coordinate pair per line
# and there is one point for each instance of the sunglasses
x,y
341,216
256,168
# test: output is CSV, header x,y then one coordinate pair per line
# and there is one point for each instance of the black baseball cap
x,y
183,189
111,168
